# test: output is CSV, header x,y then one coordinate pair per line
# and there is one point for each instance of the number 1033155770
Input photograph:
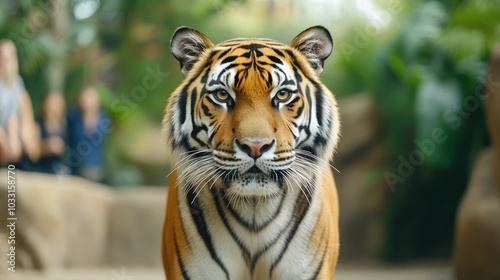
x,y
11,190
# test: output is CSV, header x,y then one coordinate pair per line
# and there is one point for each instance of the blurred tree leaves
x,y
434,97
203,9
472,28
435,62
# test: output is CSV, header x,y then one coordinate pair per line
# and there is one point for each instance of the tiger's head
x,y
251,117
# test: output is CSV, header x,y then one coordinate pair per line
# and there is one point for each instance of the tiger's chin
x,y
254,185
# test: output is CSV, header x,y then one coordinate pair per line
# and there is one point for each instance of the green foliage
x,y
471,29
430,74
427,73
433,98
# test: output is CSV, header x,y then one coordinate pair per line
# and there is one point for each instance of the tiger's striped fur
x,y
251,130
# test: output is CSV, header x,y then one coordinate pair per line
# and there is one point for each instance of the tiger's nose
x,y
254,147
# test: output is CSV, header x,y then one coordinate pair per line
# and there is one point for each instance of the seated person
x,y
86,135
53,132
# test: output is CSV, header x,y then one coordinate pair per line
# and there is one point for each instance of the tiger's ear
x,y
186,45
316,44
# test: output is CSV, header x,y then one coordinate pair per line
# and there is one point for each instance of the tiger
x,y
251,131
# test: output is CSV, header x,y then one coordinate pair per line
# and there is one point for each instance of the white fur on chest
x,y
243,253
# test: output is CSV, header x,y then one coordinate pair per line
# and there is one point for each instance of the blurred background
x,y
411,77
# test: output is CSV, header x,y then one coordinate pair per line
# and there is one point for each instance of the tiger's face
x,y
251,117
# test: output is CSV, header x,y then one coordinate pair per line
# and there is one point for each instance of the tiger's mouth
x,y
254,170
254,182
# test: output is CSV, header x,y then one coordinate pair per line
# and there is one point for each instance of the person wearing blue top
x,y
87,128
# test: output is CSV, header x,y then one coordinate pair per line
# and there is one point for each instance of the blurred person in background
x,y
87,130
53,133
19,134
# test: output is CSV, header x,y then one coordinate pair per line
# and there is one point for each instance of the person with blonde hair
x,y
19,134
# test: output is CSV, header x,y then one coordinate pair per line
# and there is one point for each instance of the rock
x,y
361,125
61,221
69,221
135,227
492,108
3,252
477,232
362,190
86,214
362,197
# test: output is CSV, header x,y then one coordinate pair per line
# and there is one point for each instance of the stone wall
x,y
477,232
493,108
72,222
362,193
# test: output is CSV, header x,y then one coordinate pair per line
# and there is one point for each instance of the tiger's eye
x,y
222,95
283,95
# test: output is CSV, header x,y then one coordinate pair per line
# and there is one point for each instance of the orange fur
x,y
173,234
225,220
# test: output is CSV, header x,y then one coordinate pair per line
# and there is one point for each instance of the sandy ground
x,y
344,272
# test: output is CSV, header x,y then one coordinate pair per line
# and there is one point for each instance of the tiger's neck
x,y
250,236
252,218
